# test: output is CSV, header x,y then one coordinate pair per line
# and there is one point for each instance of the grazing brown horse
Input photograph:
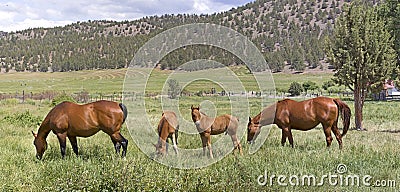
x,y
167,128
72,120
208,126
303,115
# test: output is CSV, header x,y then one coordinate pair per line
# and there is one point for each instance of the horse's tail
x,y
345,112
124,110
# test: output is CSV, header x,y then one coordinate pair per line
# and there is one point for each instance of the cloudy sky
x,y
23,14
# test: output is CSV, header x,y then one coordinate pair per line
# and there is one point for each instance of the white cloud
x,y
22,14
201,6
31,23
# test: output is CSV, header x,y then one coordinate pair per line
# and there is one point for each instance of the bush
x,y
295,89
327,84
310,85
23,119
60,98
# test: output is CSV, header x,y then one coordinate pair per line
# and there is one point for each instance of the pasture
x,y
372,153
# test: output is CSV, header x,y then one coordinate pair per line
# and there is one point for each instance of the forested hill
x,y
289,32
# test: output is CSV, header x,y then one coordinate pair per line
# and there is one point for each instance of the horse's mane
x,y
170,118
285,101
257,118
206,117
202,113
267,115
44,129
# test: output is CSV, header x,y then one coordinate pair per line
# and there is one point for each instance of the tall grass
x,y
374,152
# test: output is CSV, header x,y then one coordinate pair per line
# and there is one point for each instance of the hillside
x,y
288,32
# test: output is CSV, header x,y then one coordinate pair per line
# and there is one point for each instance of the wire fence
x,y
85,97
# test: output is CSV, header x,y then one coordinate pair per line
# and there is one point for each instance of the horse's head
x,y
253,129
196,115
40,144
160,148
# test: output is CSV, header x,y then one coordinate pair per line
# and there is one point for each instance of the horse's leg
x,y
166,142
74,144
208,136
327,131
337,135
283,140
240,148
124,144
118,138
176,134
117,146
204,142
236,144
290,136
62,137
287,132
174,143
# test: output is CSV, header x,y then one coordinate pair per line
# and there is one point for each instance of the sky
x,y
23,14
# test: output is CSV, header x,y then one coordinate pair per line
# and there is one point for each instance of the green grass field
x,y
110,81
372,153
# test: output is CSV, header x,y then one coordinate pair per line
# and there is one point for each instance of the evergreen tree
x,y
391,13
361,52
174,90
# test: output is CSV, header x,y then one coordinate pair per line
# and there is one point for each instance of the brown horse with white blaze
x,y
167,128
72,120
207,126
304,115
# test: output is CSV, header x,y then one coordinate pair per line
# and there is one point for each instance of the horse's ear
x,y
193,107
249,119
34,134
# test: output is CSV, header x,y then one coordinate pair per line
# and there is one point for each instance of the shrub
x,y
327,84
60,98
295,89
23,119
310,85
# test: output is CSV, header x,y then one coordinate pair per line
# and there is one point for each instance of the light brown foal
x,y
167,128
207,126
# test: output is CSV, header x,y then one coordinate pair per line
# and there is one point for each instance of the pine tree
x,y
174,89
361,52
391,13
